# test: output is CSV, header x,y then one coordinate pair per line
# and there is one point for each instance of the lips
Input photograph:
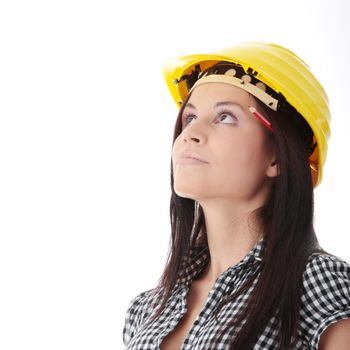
x,y
191,155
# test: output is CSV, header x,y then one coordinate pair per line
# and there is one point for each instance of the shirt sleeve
x,y
133,315
326,295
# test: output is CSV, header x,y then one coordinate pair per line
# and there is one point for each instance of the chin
x,y
185,194
181,192
191,193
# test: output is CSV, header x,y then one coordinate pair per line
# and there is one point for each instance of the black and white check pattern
x,y
325,300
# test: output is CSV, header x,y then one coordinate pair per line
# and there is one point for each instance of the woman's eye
x,y
227,118
187,119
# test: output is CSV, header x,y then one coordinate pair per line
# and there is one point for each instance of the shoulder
x,y
326,264
138,309
326,276
325,294
141,299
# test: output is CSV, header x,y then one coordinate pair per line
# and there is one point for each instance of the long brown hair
x,y
287,219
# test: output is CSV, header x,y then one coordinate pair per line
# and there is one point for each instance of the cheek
x,y
243,159
235,151
175,148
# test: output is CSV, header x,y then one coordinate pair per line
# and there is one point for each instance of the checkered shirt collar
x,y
199,257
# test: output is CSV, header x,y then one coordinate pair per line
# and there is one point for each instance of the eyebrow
x,y
218,104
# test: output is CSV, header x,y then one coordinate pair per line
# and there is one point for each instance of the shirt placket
x,y
220,289
178,312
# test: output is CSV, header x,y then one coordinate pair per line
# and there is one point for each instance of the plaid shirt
x,y
325,300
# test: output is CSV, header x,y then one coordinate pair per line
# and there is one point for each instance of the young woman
x,y
245,269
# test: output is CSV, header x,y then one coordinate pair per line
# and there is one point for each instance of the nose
x,y
192,133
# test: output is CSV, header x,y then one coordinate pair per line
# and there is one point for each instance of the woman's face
x,y
218,127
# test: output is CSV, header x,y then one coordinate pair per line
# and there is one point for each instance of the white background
x,y
85,145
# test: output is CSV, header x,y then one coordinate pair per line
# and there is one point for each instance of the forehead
x,y
209,93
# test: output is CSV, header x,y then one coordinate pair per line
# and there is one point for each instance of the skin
x,y
336,336
237,178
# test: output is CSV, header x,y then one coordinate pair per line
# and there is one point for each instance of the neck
x,y
232,231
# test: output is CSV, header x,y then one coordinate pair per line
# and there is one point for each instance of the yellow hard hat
x,y
277,67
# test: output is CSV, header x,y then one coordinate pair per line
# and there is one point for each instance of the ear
x,y
273,169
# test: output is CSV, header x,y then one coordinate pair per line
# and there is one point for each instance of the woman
x,y
245,269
